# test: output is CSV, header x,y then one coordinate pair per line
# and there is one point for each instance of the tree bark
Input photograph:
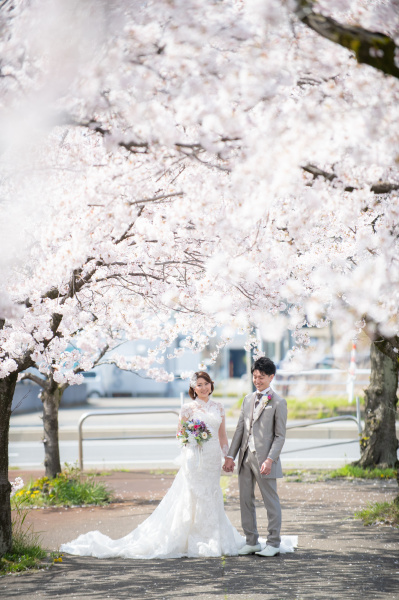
x,y
7,388
370,47
379,443
51,396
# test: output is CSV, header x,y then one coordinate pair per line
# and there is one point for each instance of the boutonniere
x,y
267,399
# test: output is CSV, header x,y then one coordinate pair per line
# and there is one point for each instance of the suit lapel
x,y
263,406
251,407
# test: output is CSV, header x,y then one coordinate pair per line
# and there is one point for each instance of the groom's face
x,y
261,380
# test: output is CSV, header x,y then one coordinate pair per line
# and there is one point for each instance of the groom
x,y
259,436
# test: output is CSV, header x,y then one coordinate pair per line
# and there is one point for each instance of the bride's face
x,y
203,388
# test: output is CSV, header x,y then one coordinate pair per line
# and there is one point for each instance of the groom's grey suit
x,y
260,434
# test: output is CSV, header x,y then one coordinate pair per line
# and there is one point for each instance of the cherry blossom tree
x,y
371,302
172,167
51,393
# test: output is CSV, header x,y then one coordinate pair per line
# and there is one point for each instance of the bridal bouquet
x,y
193,432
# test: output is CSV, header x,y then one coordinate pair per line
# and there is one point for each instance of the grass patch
x,y
353,472
26,552
70,488
312,408
306,475
294,475
346,472
29,558
380,513
106,473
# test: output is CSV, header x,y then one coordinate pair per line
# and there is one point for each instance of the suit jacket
x,y
268,431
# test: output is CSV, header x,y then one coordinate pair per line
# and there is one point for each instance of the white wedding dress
x,y
190,520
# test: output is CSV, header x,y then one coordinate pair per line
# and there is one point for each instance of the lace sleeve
x,y
222,431
220,409
185,414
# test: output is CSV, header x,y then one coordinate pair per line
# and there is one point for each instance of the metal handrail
x,y
133,411
328,420
120,411
318,372
320,446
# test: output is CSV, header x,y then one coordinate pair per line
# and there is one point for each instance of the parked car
x,y
327,362
94,383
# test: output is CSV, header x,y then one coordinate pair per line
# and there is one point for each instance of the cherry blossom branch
x,y
38,380
143,147
381,187
157,198
370,47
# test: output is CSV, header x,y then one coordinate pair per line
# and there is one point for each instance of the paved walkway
x,y
337,557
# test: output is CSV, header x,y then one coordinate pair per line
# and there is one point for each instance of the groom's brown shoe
x,y
268,551
249,549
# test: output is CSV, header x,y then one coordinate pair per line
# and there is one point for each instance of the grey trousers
x,y
249,475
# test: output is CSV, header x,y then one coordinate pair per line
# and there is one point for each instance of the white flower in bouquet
x,y
204,435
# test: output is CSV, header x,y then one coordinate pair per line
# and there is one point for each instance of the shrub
x,y
69,488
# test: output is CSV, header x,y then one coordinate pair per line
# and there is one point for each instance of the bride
x,y
190,520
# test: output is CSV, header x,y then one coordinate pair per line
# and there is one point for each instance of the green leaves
x,y
70,488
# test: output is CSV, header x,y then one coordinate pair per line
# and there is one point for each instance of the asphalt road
x,y
164,452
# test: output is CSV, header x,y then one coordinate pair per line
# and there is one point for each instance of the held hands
x,y
229,464
266,467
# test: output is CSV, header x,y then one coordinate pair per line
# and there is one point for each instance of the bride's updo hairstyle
x,y
193,383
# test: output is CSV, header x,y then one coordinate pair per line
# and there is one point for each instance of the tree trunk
x,y
379,443
51,397
7,388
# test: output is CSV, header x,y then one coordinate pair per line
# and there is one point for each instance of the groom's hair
x,y
264,365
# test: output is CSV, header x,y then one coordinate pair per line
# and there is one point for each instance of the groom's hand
x,y
228,465
266,467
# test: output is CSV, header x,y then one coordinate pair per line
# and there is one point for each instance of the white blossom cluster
x,y
16,485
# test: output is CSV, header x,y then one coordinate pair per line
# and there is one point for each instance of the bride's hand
x,y
229,464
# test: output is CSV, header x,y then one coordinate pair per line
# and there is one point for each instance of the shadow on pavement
x,y
302,575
